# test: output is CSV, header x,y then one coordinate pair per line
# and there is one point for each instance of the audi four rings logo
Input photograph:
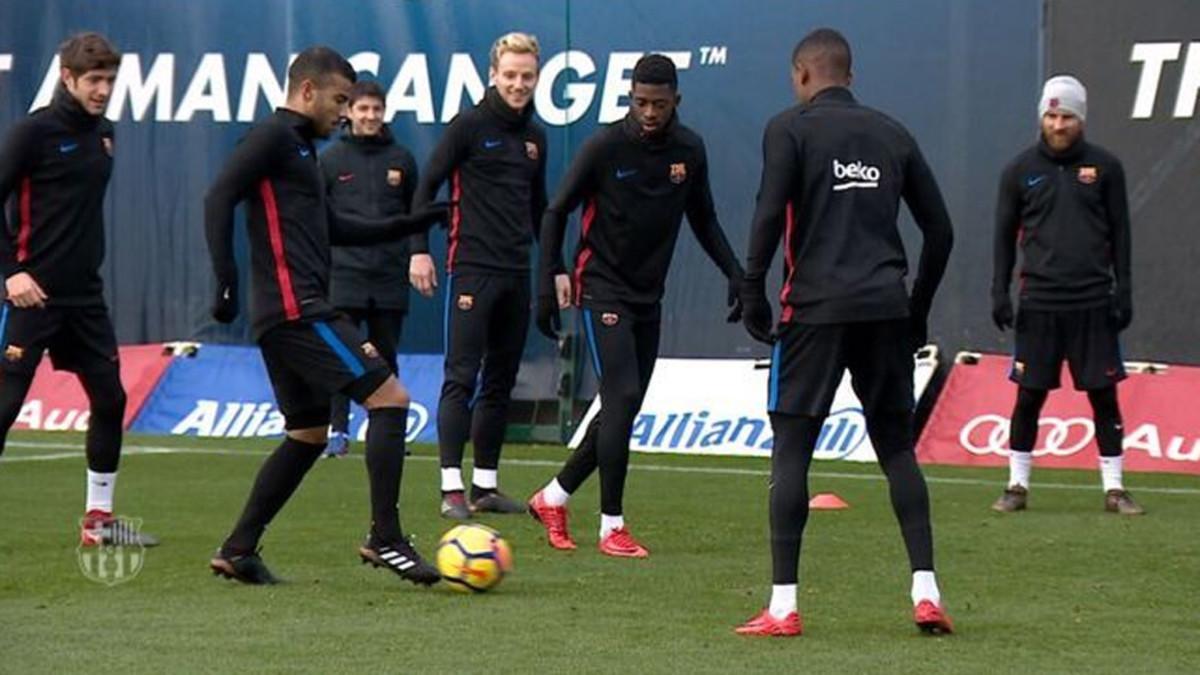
x,y
989,435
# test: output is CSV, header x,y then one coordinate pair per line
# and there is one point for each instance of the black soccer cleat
x,y
247,568
401,558
495,501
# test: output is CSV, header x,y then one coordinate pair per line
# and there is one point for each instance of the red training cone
x,y
827,501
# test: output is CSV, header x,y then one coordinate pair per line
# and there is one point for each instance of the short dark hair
x,y
87,51
656,69
317,64
366,89
827,50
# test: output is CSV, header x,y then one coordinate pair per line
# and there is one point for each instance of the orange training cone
x,y
827,501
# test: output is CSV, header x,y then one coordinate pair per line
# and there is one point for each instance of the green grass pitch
x,y
1061,588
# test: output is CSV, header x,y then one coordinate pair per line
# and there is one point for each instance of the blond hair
x,y
517,43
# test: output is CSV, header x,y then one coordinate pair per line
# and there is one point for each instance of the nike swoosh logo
x,y
342,178
1033,181
68,147
491,144
622,174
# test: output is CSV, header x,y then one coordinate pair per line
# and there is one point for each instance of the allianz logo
x,y
842,433
856,175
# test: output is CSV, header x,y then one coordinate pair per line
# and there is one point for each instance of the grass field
x,y
1061,588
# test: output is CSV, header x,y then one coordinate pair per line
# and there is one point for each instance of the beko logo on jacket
x,y
855,175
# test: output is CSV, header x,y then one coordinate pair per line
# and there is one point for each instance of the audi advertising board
x,y
969,424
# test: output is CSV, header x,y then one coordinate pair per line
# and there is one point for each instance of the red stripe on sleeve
x,y
291,308
26,215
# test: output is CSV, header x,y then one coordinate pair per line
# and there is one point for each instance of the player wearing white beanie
x,y
1063,93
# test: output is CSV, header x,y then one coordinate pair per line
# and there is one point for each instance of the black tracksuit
x,y
494,159
370,176
309,349
834,172
55,165
635,191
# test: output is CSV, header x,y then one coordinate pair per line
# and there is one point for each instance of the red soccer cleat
x,y
619,543
766,625
932,619
554,519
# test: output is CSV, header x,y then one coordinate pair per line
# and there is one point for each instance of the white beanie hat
x,y
1063,93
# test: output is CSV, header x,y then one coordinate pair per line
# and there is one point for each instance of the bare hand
x,y
562,290
24,292
422,274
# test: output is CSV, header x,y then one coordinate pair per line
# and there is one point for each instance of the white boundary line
x,y
138,449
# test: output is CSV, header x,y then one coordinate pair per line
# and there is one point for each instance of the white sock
x,y
100,488
1110,473
484,479
554,494
609,523
1020,464
783,600
452,479
924,587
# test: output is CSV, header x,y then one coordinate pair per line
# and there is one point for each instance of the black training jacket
x,y
369,177
635,191
1070,214
54,169
495,161
274,170
834,172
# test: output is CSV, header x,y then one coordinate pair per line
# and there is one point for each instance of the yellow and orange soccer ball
x,y
473,558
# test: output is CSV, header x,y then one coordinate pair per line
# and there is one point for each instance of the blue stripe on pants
x,y
773,384
591,338
339,348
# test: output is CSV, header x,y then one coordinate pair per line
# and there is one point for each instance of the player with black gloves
x,y
1064,200
636,179
310,349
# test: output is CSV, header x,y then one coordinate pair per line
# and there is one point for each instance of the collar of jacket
x,y
382,139
836,93
1067,156
633,131
298,121
71,111
512,119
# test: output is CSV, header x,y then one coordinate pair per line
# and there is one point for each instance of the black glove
x,y
733,300
1002,312
548,320
225,304
918,326
1121,312
756,311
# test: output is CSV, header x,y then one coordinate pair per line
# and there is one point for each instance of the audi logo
x,y
989,435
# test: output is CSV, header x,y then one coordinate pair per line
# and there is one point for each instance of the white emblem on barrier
x,y
989,435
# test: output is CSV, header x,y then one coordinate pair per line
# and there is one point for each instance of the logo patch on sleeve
x,y
678,173
466,302
609,318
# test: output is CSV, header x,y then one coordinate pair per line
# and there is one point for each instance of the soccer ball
x,y
473,558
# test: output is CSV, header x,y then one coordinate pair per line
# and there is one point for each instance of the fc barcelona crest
x,y
395,177
678,173
107,142
369,350
466,302
1088,175
117,560
609,318
531,150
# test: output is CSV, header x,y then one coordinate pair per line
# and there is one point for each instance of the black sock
x,y
277,479
13,388
891,434
106,399
582,462
795,440
1024,424
385,466
1106,413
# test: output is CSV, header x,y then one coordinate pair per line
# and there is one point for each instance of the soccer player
x,y
834,172
637,177
1064,200
367,173
494,157
56,164
310,350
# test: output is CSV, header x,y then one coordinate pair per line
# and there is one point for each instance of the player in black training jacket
x,y
1064,200
55,164
368,173
834,172
636,179
310,350
494,158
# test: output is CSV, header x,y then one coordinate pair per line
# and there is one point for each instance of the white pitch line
x,y
717,471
